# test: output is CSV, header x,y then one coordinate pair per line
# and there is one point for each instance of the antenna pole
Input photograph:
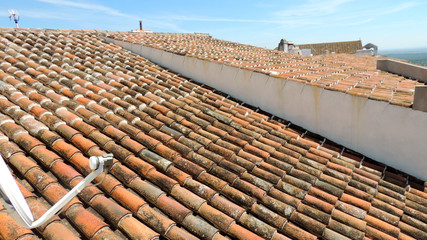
x,y
14,15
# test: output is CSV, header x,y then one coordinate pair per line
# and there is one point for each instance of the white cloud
x,y
40,14
102,11
235,20
354,18
45,15
398,8
277,16
87,6
337,13
313,8
311,13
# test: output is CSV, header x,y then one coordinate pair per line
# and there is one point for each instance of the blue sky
x,y
389,24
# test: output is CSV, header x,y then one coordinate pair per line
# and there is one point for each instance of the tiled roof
x,y
189,162
356,75
349,47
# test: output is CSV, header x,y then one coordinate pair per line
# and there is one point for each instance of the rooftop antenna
x,y
14,15
15,203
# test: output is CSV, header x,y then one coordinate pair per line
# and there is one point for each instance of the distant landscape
x,y
413,55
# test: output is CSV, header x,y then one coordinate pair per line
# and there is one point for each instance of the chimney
x,y
140,25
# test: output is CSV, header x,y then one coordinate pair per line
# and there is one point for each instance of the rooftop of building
x,y
349,47
190,161
348,73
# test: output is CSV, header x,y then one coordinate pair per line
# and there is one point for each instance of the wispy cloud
x,y
337,13
398,8
275,16
310,13
306,18
265,5
313,8
88,6
366,16
46,15
102,10
39,14
237,20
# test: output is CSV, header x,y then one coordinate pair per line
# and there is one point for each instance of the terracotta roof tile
x,y
297,232
189,162
11,229
342,72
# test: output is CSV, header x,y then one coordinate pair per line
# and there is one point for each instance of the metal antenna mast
x,y
14,15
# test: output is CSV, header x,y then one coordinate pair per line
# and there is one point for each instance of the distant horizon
x,y
413,55
404,50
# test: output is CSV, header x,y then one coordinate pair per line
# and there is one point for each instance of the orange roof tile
x,y
189,162
356,75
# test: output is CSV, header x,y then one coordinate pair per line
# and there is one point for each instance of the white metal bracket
x,y
15,203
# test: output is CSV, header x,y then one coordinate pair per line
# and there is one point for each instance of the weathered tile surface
x,y
189,163
348,73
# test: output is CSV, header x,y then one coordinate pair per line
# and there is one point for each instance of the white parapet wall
x,y
405,69
394,135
